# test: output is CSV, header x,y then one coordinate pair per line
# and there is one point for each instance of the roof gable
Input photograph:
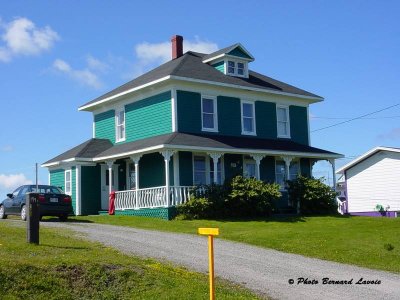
x,y
237,50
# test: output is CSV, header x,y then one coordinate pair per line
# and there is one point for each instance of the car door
x,y
9,203
19,199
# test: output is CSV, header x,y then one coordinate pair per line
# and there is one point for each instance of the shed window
x,y
68,189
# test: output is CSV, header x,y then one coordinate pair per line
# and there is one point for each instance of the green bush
x,y
240,198
315,197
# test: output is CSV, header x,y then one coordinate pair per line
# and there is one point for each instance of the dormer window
x,y
236,68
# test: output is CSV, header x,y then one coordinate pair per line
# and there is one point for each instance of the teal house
x,y
197,119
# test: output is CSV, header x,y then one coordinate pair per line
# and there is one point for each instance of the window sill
x,y
209,130
123,140
283,136
249,133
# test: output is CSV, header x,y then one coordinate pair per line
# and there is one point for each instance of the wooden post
x,y
210,232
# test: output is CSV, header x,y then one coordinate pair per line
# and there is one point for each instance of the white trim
x,y
78,199
215,114
93,127
124,93
286,108
69,170
174,109
119,110
240,87
254,132
365,156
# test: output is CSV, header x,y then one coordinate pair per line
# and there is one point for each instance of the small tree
x,y
314,196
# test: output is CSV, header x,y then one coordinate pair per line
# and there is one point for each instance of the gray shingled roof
x,y
190,65
99,148
88,149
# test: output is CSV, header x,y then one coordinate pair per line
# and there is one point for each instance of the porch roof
x,y
101,150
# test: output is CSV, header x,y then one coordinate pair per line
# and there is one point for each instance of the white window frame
x,y
283,186
66,179
287,135
249,161
235,69
254,132
117,125
215,114
209,161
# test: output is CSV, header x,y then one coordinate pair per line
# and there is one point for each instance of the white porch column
x,y
332,161
215,156
110,164
287,160
135,160
167,155
258,158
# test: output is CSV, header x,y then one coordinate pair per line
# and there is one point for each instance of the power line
x,y
356,118
333,118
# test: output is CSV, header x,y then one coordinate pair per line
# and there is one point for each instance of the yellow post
x,y
211,232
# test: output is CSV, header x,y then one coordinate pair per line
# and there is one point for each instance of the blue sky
x,y
55,57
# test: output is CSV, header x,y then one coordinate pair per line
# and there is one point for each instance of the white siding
x,y
373,181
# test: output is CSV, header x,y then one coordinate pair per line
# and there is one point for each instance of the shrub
x,y
242,197
314,196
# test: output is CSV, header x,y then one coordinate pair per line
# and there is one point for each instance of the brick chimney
x,y
177,46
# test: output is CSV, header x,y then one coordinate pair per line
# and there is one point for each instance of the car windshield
x,y
46,189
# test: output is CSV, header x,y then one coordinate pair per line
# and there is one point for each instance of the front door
x,y
105,184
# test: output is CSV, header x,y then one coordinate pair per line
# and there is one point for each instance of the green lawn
x,y
64,267
351,240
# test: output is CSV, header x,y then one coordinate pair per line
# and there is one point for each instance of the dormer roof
x,y
236,50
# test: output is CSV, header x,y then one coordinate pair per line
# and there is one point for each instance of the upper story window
x,y
68,189
248,118
237,68
120,125
283,123
209,113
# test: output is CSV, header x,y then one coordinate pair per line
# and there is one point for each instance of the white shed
x,y
373,183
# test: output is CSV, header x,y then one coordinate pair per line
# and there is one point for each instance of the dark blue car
x,y
52,202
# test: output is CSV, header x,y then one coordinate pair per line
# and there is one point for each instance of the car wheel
x,y
23,213
63,218
2,213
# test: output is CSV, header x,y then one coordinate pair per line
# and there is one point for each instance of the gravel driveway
x,y
261,270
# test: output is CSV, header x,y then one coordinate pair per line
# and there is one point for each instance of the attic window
x,y
236,68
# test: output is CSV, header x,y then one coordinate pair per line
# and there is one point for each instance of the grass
x,y
352,240
64,267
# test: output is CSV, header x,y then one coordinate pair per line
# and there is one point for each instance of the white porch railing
x,y
152,197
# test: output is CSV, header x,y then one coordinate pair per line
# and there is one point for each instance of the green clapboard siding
x,y
185,168
233,164
266,120
57,178
90,190
151,170
220,66
148,117
73,186
267,169
305,167
105,125
229,116
239,53
298,124
189,111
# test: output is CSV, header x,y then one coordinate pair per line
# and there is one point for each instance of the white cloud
x,y
22,37
156,53
13,181
84,76
7,148
95,64
393,134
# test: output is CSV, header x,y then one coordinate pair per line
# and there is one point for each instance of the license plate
x,y
53,200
